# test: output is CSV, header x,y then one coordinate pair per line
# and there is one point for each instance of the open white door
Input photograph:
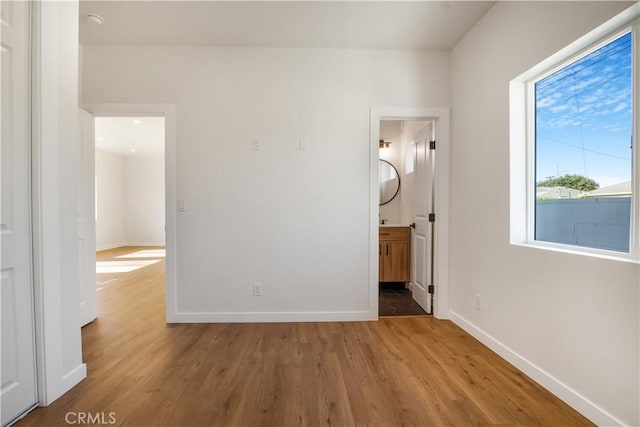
x,y
86,220
422,236
18,390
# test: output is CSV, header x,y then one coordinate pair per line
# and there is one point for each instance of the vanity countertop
x,y
393,225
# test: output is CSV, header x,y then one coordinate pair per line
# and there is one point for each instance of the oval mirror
x,y
389,182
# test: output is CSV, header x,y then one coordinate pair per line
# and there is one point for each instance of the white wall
x,y
130,198
297,221
56,161
144,200
569,321
110,197
391,131
401,133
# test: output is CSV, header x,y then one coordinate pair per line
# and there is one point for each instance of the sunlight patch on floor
x,y
101,285
145,253
122,266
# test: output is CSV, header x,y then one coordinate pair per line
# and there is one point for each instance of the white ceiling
x,y
120,135
437,25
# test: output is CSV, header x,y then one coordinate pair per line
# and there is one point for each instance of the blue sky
x,y
584,117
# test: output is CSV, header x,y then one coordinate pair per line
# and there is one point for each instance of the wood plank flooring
x,y
394,372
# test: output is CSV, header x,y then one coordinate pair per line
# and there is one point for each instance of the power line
x,y
610,79
584,156
583,149
586,62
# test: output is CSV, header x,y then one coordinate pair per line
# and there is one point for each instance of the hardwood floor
x,y
402,371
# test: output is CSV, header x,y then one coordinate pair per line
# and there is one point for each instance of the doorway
x,y
417,218
406,197
129,194
133,189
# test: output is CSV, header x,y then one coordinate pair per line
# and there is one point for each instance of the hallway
x,y
403,371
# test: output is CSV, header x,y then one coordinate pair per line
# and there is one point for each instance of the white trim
x,y
169,113
580,250
37,218
440,116
565,393
267,317
51,342
635,128
518,175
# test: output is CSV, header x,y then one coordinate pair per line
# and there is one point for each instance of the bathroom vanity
x,y
394,253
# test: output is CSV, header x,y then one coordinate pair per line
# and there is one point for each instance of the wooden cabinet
x,y
394,254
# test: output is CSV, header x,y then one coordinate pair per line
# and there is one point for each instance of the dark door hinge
x,y
432,145
432,217
430,289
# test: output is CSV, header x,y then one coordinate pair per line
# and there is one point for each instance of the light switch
x,y
182,205
302,144
255,144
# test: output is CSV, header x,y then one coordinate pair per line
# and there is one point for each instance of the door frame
x,y
86,219
169,113
440,117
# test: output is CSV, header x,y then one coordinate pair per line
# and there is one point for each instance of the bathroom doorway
x,y
406,178
409,221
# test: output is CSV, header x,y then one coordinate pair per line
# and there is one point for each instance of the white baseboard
x,y
270,317
68,381
109,246
144,244
565,393
120,245
74,376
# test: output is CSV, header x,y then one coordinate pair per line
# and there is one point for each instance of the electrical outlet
x,y
255,144
257,289
477,301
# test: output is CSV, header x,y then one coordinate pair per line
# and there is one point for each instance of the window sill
x,y
589,252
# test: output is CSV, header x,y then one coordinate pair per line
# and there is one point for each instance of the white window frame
x,y
522,138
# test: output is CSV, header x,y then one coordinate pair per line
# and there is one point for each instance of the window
x,y
573,121
582,136
410,157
